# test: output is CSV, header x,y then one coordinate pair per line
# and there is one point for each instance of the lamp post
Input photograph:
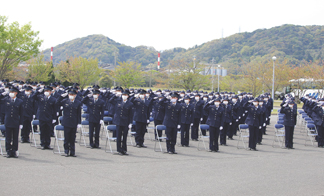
x,y
273,76
218,77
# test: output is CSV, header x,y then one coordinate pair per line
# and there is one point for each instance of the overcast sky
x,y
162,24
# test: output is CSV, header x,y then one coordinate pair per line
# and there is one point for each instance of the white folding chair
x,y
279,135
131,134
203,137
33,143
84,132
158,139
243,133
108,138
150,128
311,134
107,120
59,136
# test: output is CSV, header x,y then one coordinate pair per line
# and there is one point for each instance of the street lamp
x,y
273,75
218,76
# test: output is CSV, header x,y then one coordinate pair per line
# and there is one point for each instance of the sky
x,y
161,24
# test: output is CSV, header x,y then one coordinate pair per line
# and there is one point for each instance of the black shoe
x,y
143,146
47,148
259,143
14,155
210,151
215,151
137,146
67,155
265,134
73,155
170,152
98,147
125,153
8,156
254,149
174,153
291,148
186,145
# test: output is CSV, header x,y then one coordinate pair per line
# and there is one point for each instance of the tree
x,y
188,75
78,70
282,70
39,69
251,81
106,81
128,74
17,44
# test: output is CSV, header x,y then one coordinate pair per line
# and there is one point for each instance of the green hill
x,y
293,42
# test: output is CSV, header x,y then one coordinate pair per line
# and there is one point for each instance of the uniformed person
x,y
197,116
158,113
290,119
95,109
172,120
215,121
227,121
13,120
186,121
123,119
46,114
5,92
71,119
141,117
28,113
263,113
236,112
253,120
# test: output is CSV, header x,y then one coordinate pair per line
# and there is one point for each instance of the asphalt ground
x,y
232,171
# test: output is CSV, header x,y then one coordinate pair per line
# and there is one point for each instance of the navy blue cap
x,y
14,89
28,88
96,91
73,91
48,88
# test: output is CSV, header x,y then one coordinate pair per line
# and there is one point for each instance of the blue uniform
x,y
186,120
263,115
95,109
289,122
141,116
171,120
158,113
13,118
70,121
28,112
227,123
122,118
236,112
215,120
253,120
47,113
197,115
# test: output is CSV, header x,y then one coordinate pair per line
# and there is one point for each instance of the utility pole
x,y
150,75
115,68
213,74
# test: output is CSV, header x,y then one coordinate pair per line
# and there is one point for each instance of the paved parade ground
x,y
232,171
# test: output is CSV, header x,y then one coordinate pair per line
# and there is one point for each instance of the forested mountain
x,y
295,43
